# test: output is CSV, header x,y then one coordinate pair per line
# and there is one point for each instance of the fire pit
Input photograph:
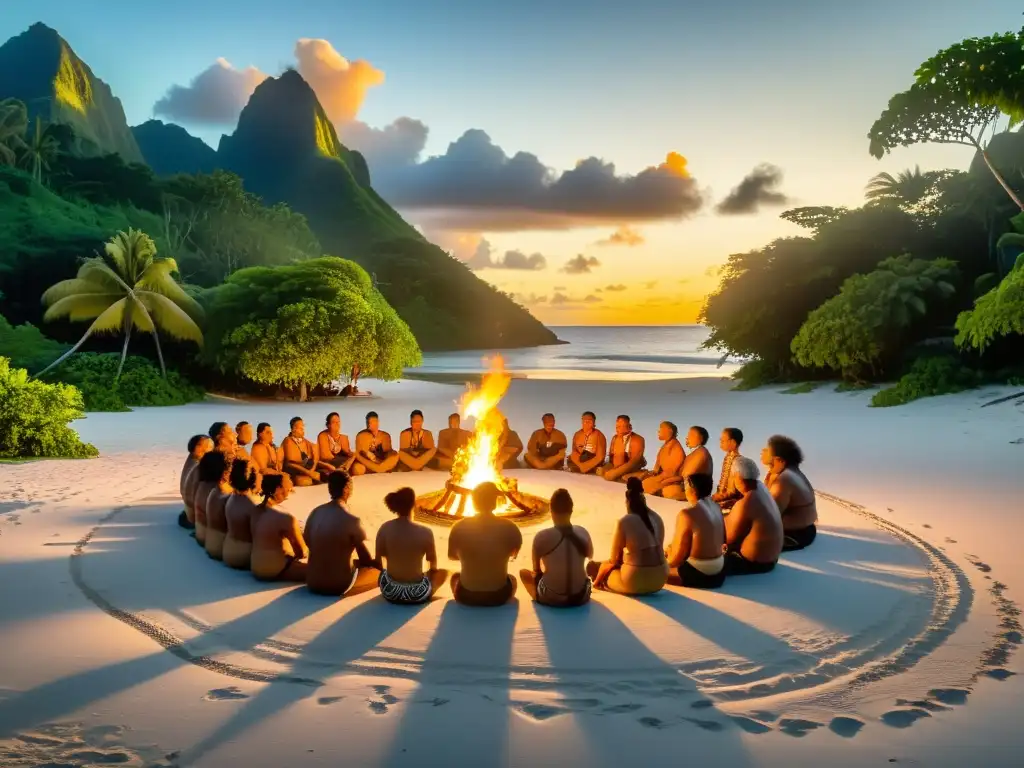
x,y
480,461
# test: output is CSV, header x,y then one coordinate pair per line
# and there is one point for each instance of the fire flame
x,y
477,462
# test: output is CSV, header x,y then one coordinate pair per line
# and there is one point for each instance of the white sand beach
x,y
891,640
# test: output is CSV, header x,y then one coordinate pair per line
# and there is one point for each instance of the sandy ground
x,y
891,640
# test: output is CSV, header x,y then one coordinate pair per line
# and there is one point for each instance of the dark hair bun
x,y
634,486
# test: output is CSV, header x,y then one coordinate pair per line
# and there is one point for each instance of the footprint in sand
x,y
541,712
325,700
794,726
950,541
999,674
231,693
707,725
904,718
931,706
652,722
749,725
926,526
434,702
951,696
847,727
386,699
618,709
702,704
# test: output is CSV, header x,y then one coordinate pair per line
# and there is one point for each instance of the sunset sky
x,y
794,84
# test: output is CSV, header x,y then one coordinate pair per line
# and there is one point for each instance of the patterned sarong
x,y
402,592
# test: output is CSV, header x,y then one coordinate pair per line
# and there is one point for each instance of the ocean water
x,y
599,353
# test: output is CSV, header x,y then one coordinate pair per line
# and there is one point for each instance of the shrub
x,y
928,377
34,417
1000,312
27,347
140,385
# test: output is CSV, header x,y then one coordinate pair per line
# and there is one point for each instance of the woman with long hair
x,y
637,565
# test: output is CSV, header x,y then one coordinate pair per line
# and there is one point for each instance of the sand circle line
x,y
281,658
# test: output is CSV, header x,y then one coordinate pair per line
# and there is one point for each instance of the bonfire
x,y
478,461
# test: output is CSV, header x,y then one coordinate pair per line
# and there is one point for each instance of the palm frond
x,y
96,270
159,278
169,317
141,319
82,306
74,287
110,320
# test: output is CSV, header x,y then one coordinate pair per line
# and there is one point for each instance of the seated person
x,y
767,460
416,446
238,512
484,544
727,493
374,453
209,473
510,445
696,555
665,475
588,447
198,447
546,447
300,457
637,564
792,492
332,535
265,455
402,546
625,454
223,436
449,441
333,449
753,530
243,436
216,522
559,576
279,551
698,461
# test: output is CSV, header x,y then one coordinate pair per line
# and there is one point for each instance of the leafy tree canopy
x,y
862,327
813,217
305,324
1000,312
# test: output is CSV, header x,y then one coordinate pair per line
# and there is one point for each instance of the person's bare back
x,y
698,462
278,547
484,544
754,527
404,545
699,534
564,567
238,513
333,534
795,499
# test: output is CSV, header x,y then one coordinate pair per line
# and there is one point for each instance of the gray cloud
x,y
215,96
758,188
483,258
562,300
580,264
617,287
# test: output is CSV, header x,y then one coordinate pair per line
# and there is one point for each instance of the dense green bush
x,y
26,346
1000,312
928,377
140,385
34,417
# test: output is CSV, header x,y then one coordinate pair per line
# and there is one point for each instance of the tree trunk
x,y
303,394
65,356
159,353
124,350
1001,180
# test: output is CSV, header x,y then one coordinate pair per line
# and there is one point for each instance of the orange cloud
x,y
624,235
341,85
677,164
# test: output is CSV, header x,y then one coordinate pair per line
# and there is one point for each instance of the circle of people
x,y
233,492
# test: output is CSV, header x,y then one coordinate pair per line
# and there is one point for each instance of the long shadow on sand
x,y
346,640
68,694
640,690
427,727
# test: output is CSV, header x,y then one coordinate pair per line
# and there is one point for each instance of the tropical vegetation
x,y
924,283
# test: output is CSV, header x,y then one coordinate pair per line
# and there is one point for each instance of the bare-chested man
x,y
265,454
333,449
198,447
727,493
559,576
753,530
402,546
416,446
697,553
588,446
698,461
209,472
510,445
625,454
664,476
216,521
449,441
243,436
333,534
484,544
224,438
547,446
300,456
792,492
374,453
279,551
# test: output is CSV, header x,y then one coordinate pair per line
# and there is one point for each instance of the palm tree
x,y
138,291
907,189
40,150
13,124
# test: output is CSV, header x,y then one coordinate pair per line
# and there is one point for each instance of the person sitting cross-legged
x,y
625,452
637,564
696,555
484,544
546,447
560,553
402,546
198,447
753,530
416,447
